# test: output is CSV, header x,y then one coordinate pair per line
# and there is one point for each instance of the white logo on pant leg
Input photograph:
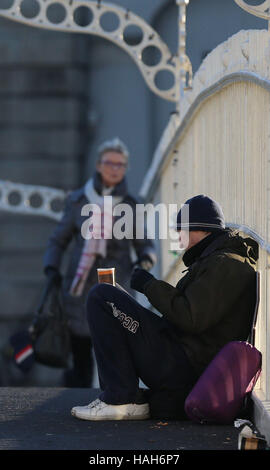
x,y
126,321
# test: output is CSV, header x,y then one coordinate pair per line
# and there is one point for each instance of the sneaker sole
x,y
110,418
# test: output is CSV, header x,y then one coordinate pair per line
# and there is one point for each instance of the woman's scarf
x,y
101,229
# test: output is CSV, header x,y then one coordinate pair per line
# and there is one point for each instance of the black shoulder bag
x,y
50,332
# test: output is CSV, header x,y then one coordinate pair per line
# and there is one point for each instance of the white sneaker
x,y
98,411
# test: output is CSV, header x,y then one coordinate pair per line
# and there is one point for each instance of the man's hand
x,y
139,278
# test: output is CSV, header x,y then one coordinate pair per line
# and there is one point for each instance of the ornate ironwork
x,y
31,200
146,48
262,10
40,200
185,67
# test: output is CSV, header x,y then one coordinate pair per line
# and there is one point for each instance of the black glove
x,y
53,275
144,262
139,279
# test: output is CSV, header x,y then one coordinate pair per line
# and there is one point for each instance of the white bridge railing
x,y
31,200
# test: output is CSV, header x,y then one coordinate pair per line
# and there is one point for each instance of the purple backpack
x,y
220,393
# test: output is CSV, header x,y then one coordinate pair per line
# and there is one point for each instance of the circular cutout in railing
x,y
254,2
5,4
133,35
57,204
83,16
164,80
14,198
56,13
29,8
151,56
109,22
35,200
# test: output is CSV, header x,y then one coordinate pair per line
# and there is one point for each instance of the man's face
x,y
112,168
184,239
188,239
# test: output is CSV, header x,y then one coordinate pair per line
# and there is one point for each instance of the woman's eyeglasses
x,y
117,166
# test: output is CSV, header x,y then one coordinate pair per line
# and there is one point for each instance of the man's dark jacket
x,y
214,302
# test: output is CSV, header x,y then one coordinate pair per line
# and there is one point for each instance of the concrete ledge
x,y
262,415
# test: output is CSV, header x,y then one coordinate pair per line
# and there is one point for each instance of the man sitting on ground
x,y
212,304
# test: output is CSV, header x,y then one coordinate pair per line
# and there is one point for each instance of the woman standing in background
x,y
108,180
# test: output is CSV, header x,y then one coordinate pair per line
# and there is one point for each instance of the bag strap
x,y
44,296
253,328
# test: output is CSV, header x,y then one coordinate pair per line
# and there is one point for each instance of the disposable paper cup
x,y
106,275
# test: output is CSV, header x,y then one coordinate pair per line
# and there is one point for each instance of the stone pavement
x,y
39,419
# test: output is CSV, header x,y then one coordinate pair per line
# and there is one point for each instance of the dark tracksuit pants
x,y
132,342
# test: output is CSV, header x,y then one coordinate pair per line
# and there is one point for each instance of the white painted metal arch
x,y
97,11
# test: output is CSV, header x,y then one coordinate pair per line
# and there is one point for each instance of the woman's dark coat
x,y
118,254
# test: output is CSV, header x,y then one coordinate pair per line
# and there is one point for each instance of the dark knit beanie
x,y
205,214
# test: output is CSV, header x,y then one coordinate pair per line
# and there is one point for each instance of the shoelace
x,y
97,403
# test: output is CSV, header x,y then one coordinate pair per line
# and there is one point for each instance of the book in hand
x,y
122,288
